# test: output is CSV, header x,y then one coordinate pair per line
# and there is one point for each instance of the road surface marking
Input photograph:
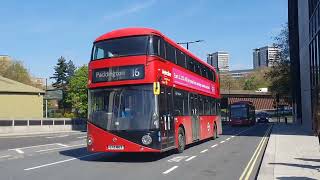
x,y
177,158
222,142
19,151
5,156
232,136
64,145
244,131
44,150
33,146
204,151
190,158
255,159
82,137
253,156
59,162
258,149
227,139
60,136
171,169
214,145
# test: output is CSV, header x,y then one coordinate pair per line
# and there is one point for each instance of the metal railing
x,y
43,122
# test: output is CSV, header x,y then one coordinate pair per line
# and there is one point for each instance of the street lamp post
x,y
190,42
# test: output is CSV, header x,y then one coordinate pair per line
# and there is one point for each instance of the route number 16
x,y
136,72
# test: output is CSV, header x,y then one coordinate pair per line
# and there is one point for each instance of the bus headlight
x,y
89,140
146,139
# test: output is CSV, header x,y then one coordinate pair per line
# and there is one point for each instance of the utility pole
x,y
190,42
46,98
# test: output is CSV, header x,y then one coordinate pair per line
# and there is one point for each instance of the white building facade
x,y
265,56
219,60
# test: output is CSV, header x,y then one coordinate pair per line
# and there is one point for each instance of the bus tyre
x,y
181,141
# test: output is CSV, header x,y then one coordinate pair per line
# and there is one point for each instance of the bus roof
x,y
136,31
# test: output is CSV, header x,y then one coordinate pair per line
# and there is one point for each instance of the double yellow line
x,y
248,170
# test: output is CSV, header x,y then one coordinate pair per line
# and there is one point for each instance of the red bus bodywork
x,y
168,74
242,113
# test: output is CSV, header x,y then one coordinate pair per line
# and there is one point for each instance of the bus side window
x,y
210,74
206,106
178,103
197,68
213,107
154,45
169,100
170,53
181,59
190,64
185,104
201,104
162,49
204,72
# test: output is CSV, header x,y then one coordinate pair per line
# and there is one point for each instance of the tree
x,y
16,71
4,64
70,70
60,74
77,95
256,79
250,84
227,82
282,42
279,75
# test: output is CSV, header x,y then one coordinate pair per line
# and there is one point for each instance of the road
x,y
235,154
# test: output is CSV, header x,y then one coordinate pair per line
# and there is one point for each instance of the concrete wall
x,y
303,20
14,106
25,126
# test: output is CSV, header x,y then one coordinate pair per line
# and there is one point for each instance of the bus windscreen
x,y
121,108
120,47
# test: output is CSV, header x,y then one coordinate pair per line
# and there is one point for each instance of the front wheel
x,y
181,141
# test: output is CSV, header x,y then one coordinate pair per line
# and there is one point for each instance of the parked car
x,y
262,117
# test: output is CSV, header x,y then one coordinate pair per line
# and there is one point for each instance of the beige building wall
x,y
21,106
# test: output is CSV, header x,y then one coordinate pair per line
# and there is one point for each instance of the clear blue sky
x,y
39,32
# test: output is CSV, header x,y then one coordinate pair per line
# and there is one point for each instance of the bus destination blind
x,y
118,73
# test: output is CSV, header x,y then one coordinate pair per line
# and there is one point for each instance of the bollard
x,y
286,120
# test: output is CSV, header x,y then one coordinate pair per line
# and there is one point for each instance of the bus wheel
x,y
181,141
215,132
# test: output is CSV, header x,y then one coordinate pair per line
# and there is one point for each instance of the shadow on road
x,y
257,130
115,157
290,129
308,159
295,178
305,166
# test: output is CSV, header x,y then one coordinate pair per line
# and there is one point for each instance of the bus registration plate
x,y
116,147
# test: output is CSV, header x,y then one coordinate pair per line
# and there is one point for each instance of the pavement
x,y
291,153
236,154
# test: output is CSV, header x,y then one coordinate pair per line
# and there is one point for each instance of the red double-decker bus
x,y
149,94
242,113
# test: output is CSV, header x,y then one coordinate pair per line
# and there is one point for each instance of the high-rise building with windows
x,y
304,42
265,56
219,60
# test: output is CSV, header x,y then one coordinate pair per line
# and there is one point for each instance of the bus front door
x,y
167,125
194,106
